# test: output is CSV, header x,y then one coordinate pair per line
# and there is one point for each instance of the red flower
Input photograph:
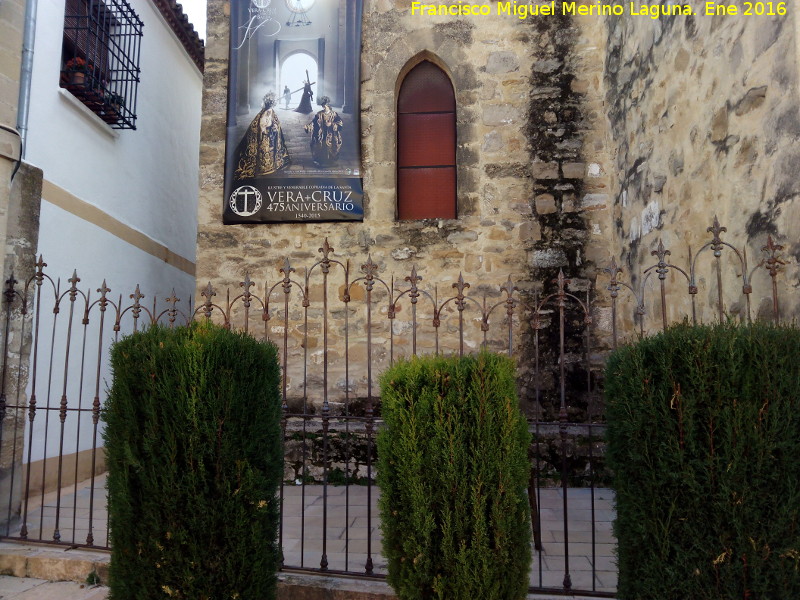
x,y
77,64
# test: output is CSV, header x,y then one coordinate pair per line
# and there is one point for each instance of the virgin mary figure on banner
x,y
326,134
262,150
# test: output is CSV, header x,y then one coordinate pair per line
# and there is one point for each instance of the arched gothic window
x,y
426,145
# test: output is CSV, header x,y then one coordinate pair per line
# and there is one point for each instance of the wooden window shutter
x,y
426,145
76,26
87,34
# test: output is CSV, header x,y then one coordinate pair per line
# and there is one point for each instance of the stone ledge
x,y
39,561
302,586
52,563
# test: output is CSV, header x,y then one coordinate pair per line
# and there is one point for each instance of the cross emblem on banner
x,y
242,197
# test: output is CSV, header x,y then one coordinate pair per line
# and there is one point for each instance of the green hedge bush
x,y
453,468
194,455
704,441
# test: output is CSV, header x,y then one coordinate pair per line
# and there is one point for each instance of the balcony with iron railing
x,y
100,58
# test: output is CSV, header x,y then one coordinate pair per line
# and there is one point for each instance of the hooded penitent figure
x,y
326,134
305,102
262,150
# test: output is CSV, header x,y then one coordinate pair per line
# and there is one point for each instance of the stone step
x,y
52,563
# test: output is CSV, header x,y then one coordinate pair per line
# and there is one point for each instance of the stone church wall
x,y
532,162
579,139
703,113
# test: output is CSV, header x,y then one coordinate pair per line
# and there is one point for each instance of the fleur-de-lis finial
x,y
287,268
660,252
326,261
73,288
562,281
246,284
326,249
662,269
509,288
369,269
287,271
103,291
39,275
172,299
173,311
773,262
614,270
136,296
413,279
208,293
460,286
716,229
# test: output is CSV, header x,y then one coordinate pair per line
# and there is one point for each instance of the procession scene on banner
x,y
293,139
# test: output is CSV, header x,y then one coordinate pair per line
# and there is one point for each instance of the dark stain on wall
x,y
554,124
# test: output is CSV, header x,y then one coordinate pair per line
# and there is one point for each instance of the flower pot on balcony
x,y
76,78
76,71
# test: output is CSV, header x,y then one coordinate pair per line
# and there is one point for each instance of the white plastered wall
x,y
138,192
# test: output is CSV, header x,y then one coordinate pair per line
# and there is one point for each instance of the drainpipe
x,y
29,35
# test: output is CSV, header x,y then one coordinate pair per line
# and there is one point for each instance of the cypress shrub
x,y
704,442
453,468
194,455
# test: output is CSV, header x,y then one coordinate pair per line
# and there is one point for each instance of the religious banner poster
x,y
292,146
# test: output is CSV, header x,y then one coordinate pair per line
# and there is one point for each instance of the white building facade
x,y
118,204
119,155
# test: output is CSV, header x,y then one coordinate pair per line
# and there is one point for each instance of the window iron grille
x,y
100,58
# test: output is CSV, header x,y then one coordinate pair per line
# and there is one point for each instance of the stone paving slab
x,y
11,586
16,588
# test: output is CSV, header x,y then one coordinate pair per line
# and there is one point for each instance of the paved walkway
x,y
353,530
26,588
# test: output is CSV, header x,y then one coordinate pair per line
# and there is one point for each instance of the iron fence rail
x,y
336,328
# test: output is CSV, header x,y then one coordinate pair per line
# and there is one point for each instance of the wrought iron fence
x,y
336,328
